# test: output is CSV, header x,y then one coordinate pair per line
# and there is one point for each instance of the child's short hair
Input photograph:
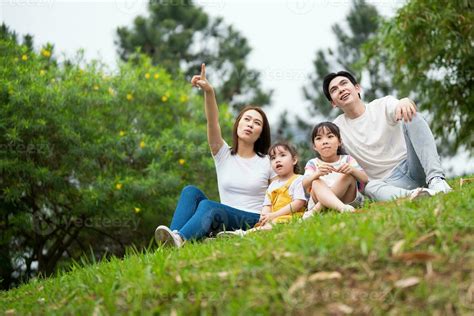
x,y
288,147
333,129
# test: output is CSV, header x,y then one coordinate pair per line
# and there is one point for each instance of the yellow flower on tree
x,y
142,144
183,98
24,58
129,97
96,87
137,210
156,76
164,98
42,72
119,186
181,161
111,91
46,53
147,76
122,133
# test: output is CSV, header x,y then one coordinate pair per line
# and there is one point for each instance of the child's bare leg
x,y
318,207
327,197
345,188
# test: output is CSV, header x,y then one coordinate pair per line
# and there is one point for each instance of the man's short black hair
x,y
332,75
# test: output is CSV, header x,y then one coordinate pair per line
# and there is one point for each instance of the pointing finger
x,y
203,71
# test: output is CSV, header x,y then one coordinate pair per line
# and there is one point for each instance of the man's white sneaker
x,y
439,185
420,193
164,236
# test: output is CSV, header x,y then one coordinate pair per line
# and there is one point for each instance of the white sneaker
x,y
421,193
230,233
347,209
308,214
439,185
164,236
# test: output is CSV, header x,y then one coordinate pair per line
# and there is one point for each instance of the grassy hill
x,y
399,257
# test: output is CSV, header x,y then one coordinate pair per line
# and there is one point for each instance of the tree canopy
x,y
89,159
428,47
179,37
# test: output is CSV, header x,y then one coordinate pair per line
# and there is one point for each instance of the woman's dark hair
x,y
290,149
328,78
319,128
263,142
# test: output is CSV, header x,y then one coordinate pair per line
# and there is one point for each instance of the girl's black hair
x,y
333,129
291,149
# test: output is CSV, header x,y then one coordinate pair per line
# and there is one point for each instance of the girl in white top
x,y
243,175
332,177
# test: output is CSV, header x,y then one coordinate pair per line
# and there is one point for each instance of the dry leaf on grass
x,y
297,285
424,238
404,283
417,256
463,181
223,274
318,276
397,247
470,294
339,308
324,275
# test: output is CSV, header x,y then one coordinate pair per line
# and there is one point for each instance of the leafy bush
x,y
90,158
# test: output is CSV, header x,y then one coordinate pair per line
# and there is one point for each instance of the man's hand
x,y
406,110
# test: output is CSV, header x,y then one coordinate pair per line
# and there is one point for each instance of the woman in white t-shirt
x,y
243,175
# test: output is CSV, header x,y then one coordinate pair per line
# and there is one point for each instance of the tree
x,y
179,37
428,48
363,21
89,160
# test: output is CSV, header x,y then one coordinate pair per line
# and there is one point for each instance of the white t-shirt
x,y
242,182
296,190
375,139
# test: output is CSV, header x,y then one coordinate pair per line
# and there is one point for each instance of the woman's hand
x,y
200,81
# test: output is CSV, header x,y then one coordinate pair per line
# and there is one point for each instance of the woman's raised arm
x,y
214,135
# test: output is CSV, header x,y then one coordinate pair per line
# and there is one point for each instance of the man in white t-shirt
x,y
389,139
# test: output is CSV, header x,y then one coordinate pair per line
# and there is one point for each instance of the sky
x,y
284,36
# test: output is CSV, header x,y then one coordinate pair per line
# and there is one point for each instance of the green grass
x,y
268,272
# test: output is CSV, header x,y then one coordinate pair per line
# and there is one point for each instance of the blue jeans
x,y
195,215
420,166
